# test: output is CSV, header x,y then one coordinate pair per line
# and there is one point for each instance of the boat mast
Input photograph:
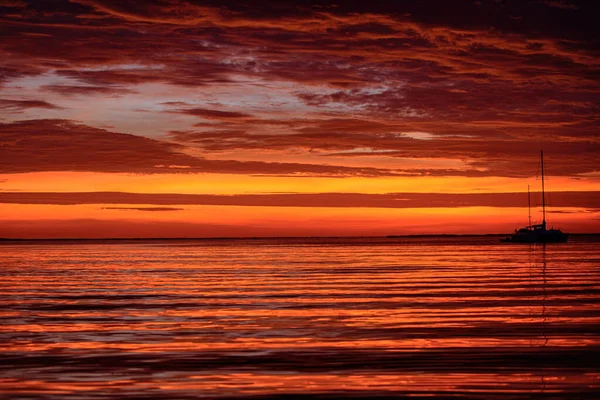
x,y
529,204
543,192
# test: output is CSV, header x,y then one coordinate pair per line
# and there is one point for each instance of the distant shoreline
x,y
167,239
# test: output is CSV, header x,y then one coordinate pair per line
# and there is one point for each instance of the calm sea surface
x,y
330,318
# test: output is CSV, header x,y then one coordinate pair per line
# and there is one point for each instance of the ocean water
x,y
464,317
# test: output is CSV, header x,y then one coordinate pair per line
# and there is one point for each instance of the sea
x,y
462,317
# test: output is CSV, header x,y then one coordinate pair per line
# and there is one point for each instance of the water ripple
x,y
330,318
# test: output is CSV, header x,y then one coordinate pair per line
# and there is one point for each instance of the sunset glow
x,y
210,119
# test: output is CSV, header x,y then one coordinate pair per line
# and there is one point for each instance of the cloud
x,y
13,3
487,148
7,105
143,208
62,145
175,103
81,90
589,200
196,45
565,5
215,114
488,80
15,70
153,12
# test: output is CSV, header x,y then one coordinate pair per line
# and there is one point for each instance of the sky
x,y
179,118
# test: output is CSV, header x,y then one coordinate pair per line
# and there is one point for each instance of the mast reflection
x,y
541,265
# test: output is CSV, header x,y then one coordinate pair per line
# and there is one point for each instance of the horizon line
x,y
275,237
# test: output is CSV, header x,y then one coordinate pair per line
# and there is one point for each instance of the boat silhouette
x,y
538,233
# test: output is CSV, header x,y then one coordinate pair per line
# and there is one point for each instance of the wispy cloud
x,y
215,114
587,200
82,90
151,209
7,105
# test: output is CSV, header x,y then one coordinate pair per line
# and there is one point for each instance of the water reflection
x,y
539,255
352,317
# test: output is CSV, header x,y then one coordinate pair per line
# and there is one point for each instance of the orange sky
x,y
358,106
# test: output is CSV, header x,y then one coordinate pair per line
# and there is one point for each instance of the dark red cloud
x,y
215,114
62,145
80,90
589,200
7,105
300,42
489,149
567,5
484,77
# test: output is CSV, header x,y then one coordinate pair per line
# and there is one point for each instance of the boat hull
x,y
539,237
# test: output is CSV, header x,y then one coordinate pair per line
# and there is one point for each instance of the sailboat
x,y
538,233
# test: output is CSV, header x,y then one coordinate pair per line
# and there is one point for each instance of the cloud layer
x,y
61,145
585,200
300,87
